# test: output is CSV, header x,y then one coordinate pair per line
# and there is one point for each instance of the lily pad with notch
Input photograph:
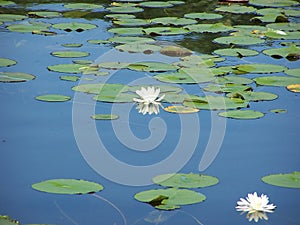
x,y
276,80
165,31
238,52
260,68
273,3
11,17
127,31
209,28
115,97
292,52
288,180
137,47
4,62
44,14
227,88
235,8
180,109
203,16
12,77
242,114
253,96
69,54
152,66
176,21
74,26
83,6
156,4
102,89
29,27
66,68
239,40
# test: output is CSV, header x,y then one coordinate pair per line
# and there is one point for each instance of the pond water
x,y
51,140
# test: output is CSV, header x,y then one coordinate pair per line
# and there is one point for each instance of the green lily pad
x,y
102,89
74,26
291,51
83,6
233,80
44,32
6,220
67,186
210,28
30,27
127,31
253,96
70,78
165,31
119,16
203,16
242,114
53,98
11,17
173,21
226,88
273,3
289,180
44,14
66,68
98,41
152,66
130,39
277,80
129,9
170,198
104,117
70,54
156,4
136,47
238,52
234,8
6,3
85,62
215,103
283,35
180,109
163,88
131,22
115,97
239,40
260,68
271,18
173,97
72,45
4,62
284,26
113,65
15,77
181,180
294,87
293,72
278,110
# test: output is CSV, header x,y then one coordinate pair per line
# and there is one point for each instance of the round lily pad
x,y
131,22
70,78
239,40
104,117
11,17
156,4
289,180
176,21
260,68
273,3
233,80
30,27
15,77
292,52
277,80
72,45
102,89
152,66
180,109
181,180
130,39
6,220
115,97
128,9
294,87
170,198
293,72
120,16
138,47
44,14
83,6
278,110
203,16
126,31
7,62
79,27
210,28
242,114
70,54
6,3
234,8
226,88
53,98
66,68
67,186
253,96
164,31
238,52
113,65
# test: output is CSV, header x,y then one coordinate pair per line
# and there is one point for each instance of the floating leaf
x,y
253,96
132,22
180,109
126,31
72,45
170,198
30,27
286,35
293,72
284,26
278,110
172,97
238,52
215,103
66,68
260,68
74,26
152,66
273,3
70,54
233,80
173,21
120,16
98,41
242,114
138,47
67,186
203,16
181,180
70,78
156,4
294,87
85,62
115,97
11,17
130,39
7,62
164,31
239,40
53,98
102,89
226,88
233,8
277,80
270,18
163,88
15,77
113,65
289,180
44,32
83,6
6,3
175,51
44,14
129,9
6,220
104,117
290,52
211,28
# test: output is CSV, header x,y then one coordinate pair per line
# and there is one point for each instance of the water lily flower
x,y
255,206
149,101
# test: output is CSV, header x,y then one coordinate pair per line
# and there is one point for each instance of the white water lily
x,y
255,206
149,101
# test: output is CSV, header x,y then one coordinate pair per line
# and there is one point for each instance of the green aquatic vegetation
x,y
180,109
165,31
291,52
44,14
120,16
181,180
6,3
288,180
4,62
83,6
127,31
113,65
238,52
234,8
209,28
242,114
124,9
132,22
259,68
239,40
74,26
29,27
67,186
176,21
138,47
293,72
70,78
72,45
284,26
226,88
102,89
276,80
98,41
203,16
84,62
11,77
115,97
6,220
152,66
273,3
66,68
173,97
11,17
104,116
283,35
156,4
253,96
163,88
130,39
278,110
232,80
271,18
70,54
53,98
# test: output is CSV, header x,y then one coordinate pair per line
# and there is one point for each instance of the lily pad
x,y
130,39
289,180
242,114
294,87
67,186
15,77
4,62
152,66
175,51
176,21
131,22
6,220
120,16
239,40
181,180
253,96
70,54
226,88
115,97
113,65
173,97
66,68
98,41
278,110
72,45
233,80
70,78
102,89
293,72
170,198
290,52
105,117
11,17
53,98
29,27
215,103
180,109
277,80
83,6
129,9
156,4
74,26
260,68
273,3
233,8
238,52
6,3
138,48
210,28
126,31
203,16
44,14
165,31
283,35
163,88
271,18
